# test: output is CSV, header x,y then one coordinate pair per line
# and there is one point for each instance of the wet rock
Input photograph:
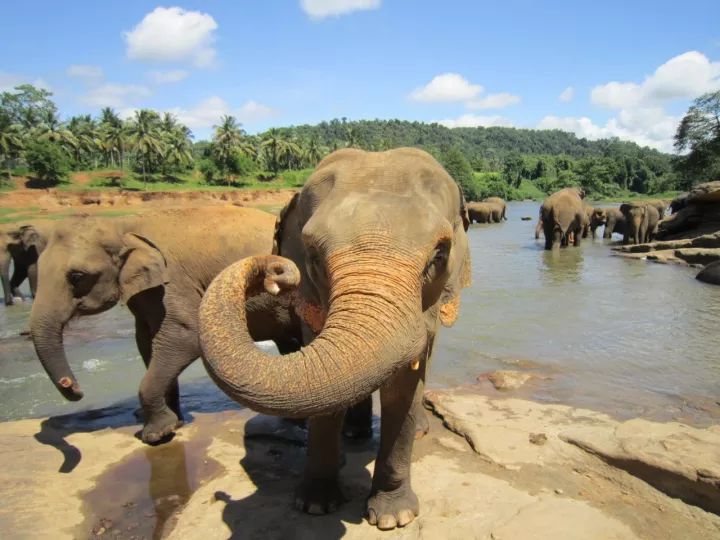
x,y
710,274
508,379
526,218
538,438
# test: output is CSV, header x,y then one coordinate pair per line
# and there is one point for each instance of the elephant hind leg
x,y
358,420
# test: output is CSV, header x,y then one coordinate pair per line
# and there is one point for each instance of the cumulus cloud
x,y
209,111
685,76
473,120
173,35
114,95
494,101
447,87
320,9
646,126
168,77
88,74
567,95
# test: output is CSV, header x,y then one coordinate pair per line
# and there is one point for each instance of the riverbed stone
x,y
508,379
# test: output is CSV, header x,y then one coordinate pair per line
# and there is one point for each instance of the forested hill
x,y
491,143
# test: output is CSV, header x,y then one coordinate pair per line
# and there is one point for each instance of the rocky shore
x,y
490,468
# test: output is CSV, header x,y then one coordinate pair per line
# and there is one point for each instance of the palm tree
x,y
145,139
229,140
87,137
11,144
290,154
313,154
53,131
178,149
112,141
109,117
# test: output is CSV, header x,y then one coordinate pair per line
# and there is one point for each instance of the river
x,y
626,337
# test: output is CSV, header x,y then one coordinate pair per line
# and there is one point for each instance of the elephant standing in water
x,y
641,221
23,245
501,204
372,284
483,212
160,265
562,215
614,221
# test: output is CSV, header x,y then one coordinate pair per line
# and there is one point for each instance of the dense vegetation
x,y
511,163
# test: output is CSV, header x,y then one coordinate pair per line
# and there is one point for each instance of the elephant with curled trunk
x,y
641,222
21,244
159,265
563,216
372,284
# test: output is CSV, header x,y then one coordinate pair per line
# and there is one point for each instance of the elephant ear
x,y
282,222
31,239
143,266
464,212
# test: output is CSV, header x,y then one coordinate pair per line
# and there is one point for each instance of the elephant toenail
x,y
386,522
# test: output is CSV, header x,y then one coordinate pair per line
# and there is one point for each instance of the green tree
x,y
12,143
146,140
458,167
699,134
313,154
513,166
27,105
47,160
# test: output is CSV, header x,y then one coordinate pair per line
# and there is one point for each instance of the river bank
x,y
505,468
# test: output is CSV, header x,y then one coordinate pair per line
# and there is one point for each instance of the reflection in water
x,y
562,265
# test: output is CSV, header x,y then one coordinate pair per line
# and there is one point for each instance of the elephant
x,y
157,264
371,285
23,245
710,274
660,205
561,214
588,221
501,203
614,222
483,212
641,221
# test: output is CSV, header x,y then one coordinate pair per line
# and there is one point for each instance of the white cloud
x,y
319,9
494,101
209,111
567,95
167,77
646,126
173,35
685,76
114,95
9,81
447,87
89,74
473,120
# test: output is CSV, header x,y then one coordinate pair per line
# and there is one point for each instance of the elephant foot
x,y
390,509
160,427
318,496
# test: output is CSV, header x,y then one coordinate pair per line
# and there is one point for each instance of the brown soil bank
x,y
505,469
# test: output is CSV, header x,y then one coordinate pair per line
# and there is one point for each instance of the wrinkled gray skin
x,y
159,265
641,221
614,222
21,244
710,274
563,216
484,212
374,285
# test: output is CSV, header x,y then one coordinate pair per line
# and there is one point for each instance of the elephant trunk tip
x,y
70,389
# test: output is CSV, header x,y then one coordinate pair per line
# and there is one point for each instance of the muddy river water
x,y
622,336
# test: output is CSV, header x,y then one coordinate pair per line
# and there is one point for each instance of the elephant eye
x,y
75,277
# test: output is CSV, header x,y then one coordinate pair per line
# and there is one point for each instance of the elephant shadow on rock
x,y
275,467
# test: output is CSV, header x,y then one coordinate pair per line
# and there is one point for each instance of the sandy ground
x,y
491,469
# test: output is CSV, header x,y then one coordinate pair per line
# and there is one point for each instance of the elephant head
x,y
374,255
598,217
635,221
86,268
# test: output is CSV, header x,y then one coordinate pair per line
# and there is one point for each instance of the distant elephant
x,y
614,222
483,212
539,225
659,204
23,245
159,265
641,221
710,274
587,221
562,213
501,203
371,291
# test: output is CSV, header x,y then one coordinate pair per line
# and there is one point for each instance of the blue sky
x,y
626,69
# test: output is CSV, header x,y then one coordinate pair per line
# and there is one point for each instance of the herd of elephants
x,y
348,282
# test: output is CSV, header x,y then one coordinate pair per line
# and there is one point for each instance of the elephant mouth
x,y
70,389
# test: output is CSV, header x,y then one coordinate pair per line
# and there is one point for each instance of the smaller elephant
x,y
483,212
562,215
501,203
613,219
588,227
710,274
641,222
660,205
22,245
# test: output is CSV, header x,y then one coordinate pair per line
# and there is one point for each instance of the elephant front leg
x,y
5,278
319,492
392,502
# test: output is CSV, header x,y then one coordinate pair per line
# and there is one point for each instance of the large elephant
x,y
641,221
372,284
159,265
483,212
562,216
614,222
500,203
22,245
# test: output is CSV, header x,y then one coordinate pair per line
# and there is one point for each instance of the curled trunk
x,y
373,327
